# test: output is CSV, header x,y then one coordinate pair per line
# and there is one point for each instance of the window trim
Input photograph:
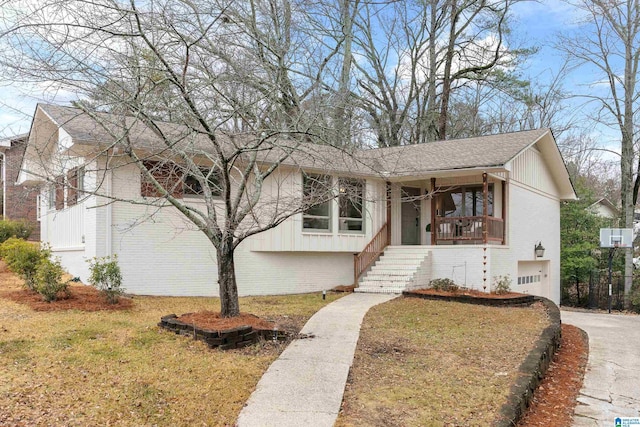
x,y
329,216
363,184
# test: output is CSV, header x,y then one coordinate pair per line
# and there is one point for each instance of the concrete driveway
x,y
612,381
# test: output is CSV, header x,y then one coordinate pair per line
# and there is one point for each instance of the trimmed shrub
x,y
446,285
20,229
22,258
502,284
106,276
49,280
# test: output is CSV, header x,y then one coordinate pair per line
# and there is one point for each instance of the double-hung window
x,y
350,202
317,194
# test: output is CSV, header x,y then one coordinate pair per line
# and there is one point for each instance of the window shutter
x,y
60,192
72,188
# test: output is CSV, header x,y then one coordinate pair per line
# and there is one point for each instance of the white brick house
x,y
469,210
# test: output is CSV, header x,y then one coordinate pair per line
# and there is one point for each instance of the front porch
x,y
468,209
437,212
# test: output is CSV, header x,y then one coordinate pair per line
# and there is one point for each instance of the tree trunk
x,y
229,304
446,80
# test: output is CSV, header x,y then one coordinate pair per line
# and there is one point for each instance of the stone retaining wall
x,y
533,369
469,299
225,339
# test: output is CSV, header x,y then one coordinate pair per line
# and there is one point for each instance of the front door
x,y
410,216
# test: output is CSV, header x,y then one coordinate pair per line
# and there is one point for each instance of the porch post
x,y
434,235
485,209
388,213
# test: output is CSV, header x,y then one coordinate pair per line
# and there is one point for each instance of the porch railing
x,y
370,253
469,228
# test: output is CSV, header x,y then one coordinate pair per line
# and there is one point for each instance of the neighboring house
x,y
469,210
19,202
605,209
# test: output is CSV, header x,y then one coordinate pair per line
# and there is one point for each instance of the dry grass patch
x,y
78,368
421,362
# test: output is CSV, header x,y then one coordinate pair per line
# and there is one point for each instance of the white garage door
x,y
533,278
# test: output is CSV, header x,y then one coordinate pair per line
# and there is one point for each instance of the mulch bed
x,y
468,292
554,401
84,298
212,320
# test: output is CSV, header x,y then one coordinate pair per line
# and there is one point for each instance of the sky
x,y
537,24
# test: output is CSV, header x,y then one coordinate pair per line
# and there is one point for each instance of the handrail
x,y
370,253
470,228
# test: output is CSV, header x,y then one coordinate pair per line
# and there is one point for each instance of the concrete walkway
x,y
304,386
611,385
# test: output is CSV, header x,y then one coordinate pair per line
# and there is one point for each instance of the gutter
x,y
109,213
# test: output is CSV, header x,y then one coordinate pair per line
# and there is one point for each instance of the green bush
x,y
106,276
49,280
446,285
20,229
502,284
22,258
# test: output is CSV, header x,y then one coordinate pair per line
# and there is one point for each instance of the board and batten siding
x,y
530,169
290,236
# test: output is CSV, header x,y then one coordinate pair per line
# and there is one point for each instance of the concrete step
x,y
400,261
400,284
402,255
379,290
394,270
390,278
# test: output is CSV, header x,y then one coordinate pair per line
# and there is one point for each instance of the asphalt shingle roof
x,y
485,151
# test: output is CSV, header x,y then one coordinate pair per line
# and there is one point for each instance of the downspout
x,y
4,185
109,213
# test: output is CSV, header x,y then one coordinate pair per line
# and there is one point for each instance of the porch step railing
x,y
370,253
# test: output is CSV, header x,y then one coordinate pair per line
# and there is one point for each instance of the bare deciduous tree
x,y
227,74
609,44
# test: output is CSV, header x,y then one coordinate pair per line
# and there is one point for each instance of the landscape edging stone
x,y
228,339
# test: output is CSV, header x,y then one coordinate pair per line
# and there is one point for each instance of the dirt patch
x,y
344,288
468,292
554,401
212,320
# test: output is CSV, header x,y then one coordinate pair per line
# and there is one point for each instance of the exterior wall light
x,y
539,249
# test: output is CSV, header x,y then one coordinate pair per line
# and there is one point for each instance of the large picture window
x,y
350,202
464,201
317,193
193,185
